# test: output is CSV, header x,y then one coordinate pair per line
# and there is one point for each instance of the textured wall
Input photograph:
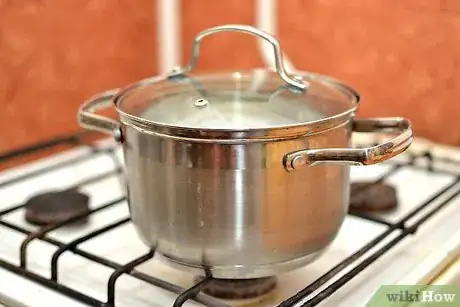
x,y
56,53
403,56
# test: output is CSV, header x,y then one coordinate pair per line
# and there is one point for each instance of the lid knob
x,y
201,103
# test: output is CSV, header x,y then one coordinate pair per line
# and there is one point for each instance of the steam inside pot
x,y
252,100
227,110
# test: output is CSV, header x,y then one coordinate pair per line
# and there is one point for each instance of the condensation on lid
x,y
253,100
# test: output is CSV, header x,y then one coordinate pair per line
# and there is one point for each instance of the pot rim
x,y
274,132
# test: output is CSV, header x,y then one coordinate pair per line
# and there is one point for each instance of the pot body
x,y
253,198
232,208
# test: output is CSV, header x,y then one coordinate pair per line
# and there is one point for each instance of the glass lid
x,y
258,99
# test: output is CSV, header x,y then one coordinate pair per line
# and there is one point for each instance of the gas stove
x,y
103,263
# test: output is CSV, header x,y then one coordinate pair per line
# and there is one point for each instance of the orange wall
x,y
56,53
403,56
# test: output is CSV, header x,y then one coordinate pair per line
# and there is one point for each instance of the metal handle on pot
x,y
362,156
88,119
248,30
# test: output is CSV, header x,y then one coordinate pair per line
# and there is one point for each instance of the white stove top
x,y
122,245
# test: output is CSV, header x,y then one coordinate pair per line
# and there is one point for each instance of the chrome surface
x,y
221,199
279,64
245,271
364,156
232,208
219,134
90,120
141,93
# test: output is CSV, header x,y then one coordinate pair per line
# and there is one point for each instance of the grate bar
x,y
46,229
355,256
11,209
51,284
204,299
94,179
50,168
74,139
74,243
192,292
173,288
416,210
366,262
371,218
355,271
126,269
425,167
87,181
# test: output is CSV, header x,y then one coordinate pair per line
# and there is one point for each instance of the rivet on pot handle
x,y
279,64
362,156
90,120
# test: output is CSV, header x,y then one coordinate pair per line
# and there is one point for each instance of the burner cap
x,y
55,207
371,196
239,288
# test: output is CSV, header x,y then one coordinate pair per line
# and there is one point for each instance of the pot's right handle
x,y
87,117
362,156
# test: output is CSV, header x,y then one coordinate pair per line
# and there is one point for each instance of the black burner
x,y
372,196
239,288
55,207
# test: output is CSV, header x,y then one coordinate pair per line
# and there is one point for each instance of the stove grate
x,y
311,295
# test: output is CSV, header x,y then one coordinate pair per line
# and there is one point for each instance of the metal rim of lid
x,y
249,134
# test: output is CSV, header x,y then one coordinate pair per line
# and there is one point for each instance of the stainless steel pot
x,y
243,174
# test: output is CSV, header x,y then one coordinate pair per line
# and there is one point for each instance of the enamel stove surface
x,y
99,176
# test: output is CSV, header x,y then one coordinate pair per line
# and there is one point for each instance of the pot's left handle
x,y
361,156
88,119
